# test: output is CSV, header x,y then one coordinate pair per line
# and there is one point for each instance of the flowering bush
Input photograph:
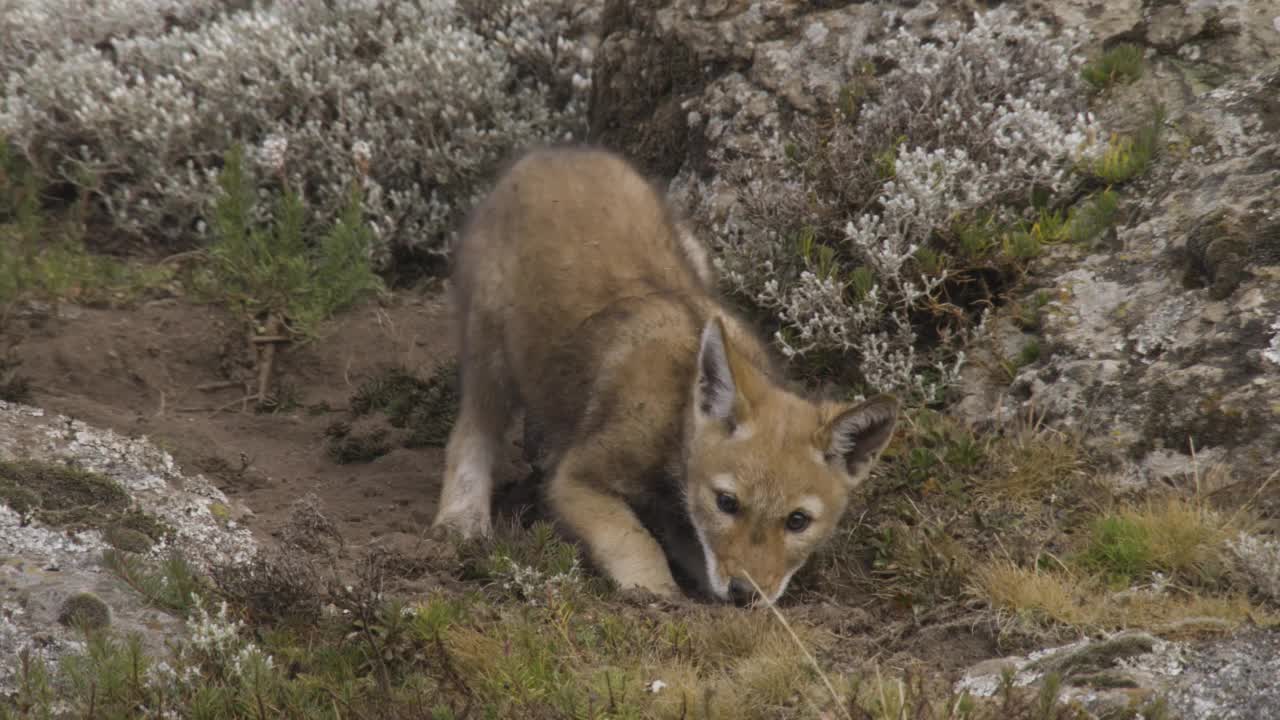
x,y
29,28
851,228
136,102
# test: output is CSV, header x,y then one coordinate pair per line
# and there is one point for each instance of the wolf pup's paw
x,y
644,597
460,526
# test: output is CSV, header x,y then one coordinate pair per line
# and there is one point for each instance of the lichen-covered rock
x,y
1229,678
43,565
1159,348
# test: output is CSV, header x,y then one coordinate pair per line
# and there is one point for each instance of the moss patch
x,y
1097,656
13,386
58,494
419,412
347,447
75,499
127,539
84,610
424,407
1216,254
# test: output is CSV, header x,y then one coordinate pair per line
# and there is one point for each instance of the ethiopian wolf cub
x,y
665,425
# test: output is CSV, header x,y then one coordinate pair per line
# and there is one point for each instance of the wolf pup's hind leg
x,y
475,443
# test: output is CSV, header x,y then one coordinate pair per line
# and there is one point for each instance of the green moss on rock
x,y
127,539
74,499
84,610
58,494
1218,249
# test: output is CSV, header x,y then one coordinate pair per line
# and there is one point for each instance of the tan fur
x,y
585,303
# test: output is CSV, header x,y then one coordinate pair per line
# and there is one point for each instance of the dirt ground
x,y
140,371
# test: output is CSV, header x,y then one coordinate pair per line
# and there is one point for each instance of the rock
x,y
1230,678
48,572
643,111
1161,347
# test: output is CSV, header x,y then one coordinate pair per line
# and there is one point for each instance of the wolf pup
x,y
665,426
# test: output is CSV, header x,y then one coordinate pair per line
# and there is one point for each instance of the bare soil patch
x,y
140,371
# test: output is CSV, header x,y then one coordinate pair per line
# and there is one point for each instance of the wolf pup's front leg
x,y
618,543
475,441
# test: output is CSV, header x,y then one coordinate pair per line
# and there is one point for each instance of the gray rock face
x,y
1161,341
42,567
1229,679
1161,346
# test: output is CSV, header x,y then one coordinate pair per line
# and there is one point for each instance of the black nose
x,y
740,591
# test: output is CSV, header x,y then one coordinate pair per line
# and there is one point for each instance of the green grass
x,y
1119,547
961,527
453,656
42,251
1121,64
171,584
1092,217
1129,156
1185,540
1028,315
1028,354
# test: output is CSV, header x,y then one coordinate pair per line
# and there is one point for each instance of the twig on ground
x,y
812,660
219,385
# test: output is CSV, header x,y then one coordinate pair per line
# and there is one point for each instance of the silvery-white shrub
x,y
1258,560
135,101
970,117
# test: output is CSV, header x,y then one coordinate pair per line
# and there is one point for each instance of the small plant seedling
x,y
1121,64
282,285
1092,217
1129,156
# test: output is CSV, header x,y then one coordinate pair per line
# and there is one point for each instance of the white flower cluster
x,y
213,635
966,120
215,648
416,100
536,586
1272,352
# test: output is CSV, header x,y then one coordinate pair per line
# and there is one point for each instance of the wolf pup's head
x,y
767,473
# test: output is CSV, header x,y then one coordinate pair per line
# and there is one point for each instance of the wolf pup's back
x,y
583,302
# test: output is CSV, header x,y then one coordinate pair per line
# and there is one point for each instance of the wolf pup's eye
x,y
727,503
798,521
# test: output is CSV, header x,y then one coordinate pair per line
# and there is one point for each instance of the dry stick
x,y
244,404
267,354
1254,496
220,385
242,401
814,661
268,339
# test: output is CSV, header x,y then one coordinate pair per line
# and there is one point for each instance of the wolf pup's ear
x,y
856,437
715,392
